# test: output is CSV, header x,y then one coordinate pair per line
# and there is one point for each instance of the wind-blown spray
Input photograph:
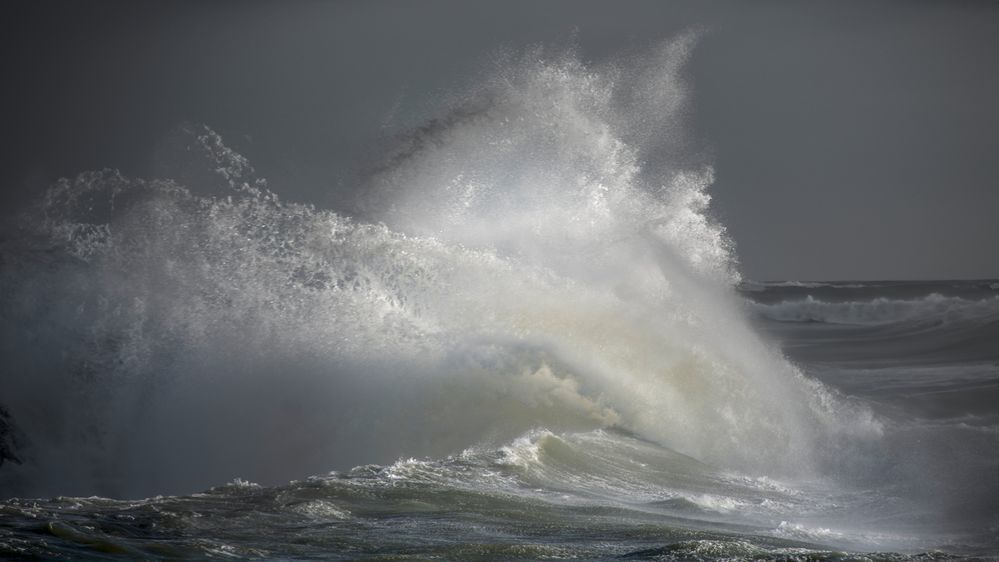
x,y
530,259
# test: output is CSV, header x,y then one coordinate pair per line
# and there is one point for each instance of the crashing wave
x,y
526,264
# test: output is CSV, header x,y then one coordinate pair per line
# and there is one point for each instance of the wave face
x,y
595,495
522,261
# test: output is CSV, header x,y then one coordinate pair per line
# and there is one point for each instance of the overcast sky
x,y
851,140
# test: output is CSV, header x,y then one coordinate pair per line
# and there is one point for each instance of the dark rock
x,y
10,438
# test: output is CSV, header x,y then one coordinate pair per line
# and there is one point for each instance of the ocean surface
x,y
523,336
922,356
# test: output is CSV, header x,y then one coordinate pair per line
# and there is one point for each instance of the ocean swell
x,y
934,307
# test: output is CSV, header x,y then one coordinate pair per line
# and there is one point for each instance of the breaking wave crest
x,y
523,261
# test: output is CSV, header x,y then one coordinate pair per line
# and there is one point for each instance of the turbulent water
x,y
524,337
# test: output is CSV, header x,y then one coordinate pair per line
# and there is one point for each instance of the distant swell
x,y
878,311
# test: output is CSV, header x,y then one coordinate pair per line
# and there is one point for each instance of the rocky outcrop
x,y
10,439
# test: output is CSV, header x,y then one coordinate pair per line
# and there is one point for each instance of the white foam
x,y
713,502
799,531
321,509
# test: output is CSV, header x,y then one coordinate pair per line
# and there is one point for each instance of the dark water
x,y
525,339
924,355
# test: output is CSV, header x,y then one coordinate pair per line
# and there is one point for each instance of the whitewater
x,y
524,336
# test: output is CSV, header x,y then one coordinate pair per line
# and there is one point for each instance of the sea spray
x,y
523,262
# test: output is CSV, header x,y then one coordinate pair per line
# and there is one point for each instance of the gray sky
x,y
851,140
